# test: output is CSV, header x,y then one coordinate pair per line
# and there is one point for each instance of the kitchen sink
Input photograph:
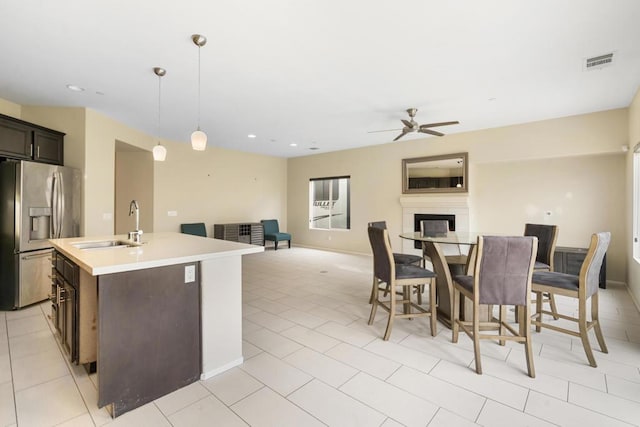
x,y
104,244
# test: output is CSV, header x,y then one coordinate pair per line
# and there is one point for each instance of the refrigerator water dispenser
x,y
40,220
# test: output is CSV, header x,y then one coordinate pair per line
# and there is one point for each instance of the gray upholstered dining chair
x,y
388,276
547,236
501,276
583,287
440,227
398,258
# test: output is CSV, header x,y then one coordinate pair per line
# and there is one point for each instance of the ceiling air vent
x,y
599,61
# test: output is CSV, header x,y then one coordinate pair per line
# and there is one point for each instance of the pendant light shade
x,y
199,138
159,152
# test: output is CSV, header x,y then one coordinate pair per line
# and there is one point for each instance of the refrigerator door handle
x,y
61,206
55,206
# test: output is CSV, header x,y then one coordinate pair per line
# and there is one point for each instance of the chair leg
x,y
503,318
554,309
289,244
373,289
455,317
374,301
392,312
476,338
596,323
525,330
539,310
584,332
276,242
432,307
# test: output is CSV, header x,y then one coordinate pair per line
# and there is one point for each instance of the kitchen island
x,y
167,311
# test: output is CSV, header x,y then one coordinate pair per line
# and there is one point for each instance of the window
x,y
330,203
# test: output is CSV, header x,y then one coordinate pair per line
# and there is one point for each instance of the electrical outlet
x,y
189,273
172,213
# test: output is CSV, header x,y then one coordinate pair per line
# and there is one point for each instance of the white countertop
x,y
156,250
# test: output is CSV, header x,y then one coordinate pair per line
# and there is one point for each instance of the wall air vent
x,y
597,62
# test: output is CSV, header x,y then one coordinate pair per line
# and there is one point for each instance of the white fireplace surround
x,y
435,205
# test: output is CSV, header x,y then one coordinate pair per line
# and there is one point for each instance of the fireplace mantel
x,y
453,201
454,204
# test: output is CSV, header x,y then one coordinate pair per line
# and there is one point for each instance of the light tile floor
x,y
312,360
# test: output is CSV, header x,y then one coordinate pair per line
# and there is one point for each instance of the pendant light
x,y
159,152
199,138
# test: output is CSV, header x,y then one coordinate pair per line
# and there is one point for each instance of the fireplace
x,y
422,217
452,207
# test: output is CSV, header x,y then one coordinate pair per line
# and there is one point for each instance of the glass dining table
x,y
458,264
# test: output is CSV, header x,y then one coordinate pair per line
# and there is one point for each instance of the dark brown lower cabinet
x,y
148,335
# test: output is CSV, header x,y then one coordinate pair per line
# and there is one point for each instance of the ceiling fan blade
x,y
407,123
385,130
430,132
404,132
432,125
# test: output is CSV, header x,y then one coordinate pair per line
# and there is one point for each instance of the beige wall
x,y
134,181
218,186
214,186
634,140
376,179
10,109
578,192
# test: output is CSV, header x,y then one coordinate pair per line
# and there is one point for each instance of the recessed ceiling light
x,y
492,99
75,88
293,144
251,135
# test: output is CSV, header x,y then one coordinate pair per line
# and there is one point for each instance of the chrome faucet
x,y
134,236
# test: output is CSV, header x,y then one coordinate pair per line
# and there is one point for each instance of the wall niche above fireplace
x,y
447,173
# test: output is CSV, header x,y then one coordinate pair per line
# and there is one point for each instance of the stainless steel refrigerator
x,y
37,202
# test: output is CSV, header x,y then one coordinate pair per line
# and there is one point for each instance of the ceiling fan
x,y
412,126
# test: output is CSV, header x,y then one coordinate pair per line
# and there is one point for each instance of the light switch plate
x,y
189,273
172,213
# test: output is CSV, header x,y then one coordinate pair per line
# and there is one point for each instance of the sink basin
x,y
104,244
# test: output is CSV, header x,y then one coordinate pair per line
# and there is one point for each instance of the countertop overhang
x,y
156,250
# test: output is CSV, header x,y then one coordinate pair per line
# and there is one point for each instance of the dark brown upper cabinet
x,y
25,141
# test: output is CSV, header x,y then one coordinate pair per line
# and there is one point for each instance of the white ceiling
x,y
320,72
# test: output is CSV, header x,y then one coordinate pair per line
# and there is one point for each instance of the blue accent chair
x,y
272,232
196,228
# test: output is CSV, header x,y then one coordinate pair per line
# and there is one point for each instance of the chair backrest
x,y
383,264
379,224
590,270
196,228
547,236
270,226
504,268
434,227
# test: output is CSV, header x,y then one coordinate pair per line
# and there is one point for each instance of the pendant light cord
x,y
199,90
159,103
